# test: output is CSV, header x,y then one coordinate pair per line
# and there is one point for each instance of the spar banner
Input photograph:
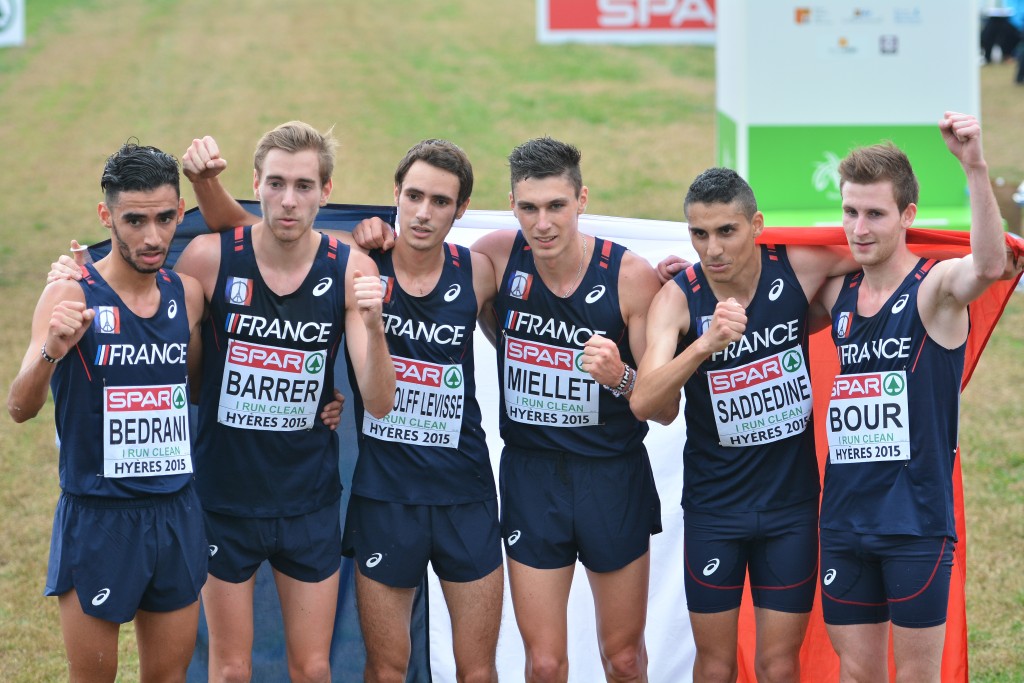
x,y
631,22
12,22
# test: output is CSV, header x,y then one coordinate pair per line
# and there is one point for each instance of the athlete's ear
x,y
181,209
256,183
461,209
325,191
582,204
758,223
398,193
104,213
908,216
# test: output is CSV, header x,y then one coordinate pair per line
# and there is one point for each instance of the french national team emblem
x,y
843,324
705,323
107,320
238,291
519,285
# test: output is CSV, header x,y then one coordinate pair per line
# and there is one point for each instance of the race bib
x,y
145,431
545,385
428,408
868,420
270,388
763,401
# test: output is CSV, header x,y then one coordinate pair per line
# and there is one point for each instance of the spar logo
x,y
893,384
419,372
238,291
145,398
755,373
543,355
315,362
665,14
272,358
869,385
453,378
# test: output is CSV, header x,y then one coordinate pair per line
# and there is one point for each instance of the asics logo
x,y
452,293
900,303
373,560
213,550
595,294
829,577
322,286
776,289
711,567
513,537
101,597
172,309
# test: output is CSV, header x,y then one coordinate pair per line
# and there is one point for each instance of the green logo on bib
x,y
579,361
893,384
314,363
179,398
791,361
453,378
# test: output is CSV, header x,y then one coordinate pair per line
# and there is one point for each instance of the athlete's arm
x,y
201,260
955,283
364,335
496,246
202,163
195,303
813,265
662,374
59,321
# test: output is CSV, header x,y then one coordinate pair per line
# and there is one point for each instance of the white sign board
x,y
12,22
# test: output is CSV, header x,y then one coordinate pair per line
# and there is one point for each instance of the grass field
x,y
95,72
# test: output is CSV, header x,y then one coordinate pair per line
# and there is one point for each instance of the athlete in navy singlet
x,y
575,480
279,297
128,539
732,333
900,327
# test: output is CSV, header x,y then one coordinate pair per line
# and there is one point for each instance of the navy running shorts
x,y
558,506
393,542
304,547
125,555
870,578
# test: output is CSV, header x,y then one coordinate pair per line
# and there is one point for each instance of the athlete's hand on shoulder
x,y
69,320
601,359
373,233
69,267
727,325
670,266
331,414
202,160
369,298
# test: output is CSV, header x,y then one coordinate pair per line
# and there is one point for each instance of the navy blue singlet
x,y
548,402
430,450
268,370
749,433
121,397
892,418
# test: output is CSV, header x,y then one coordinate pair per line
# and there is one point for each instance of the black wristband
x,y
47,357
